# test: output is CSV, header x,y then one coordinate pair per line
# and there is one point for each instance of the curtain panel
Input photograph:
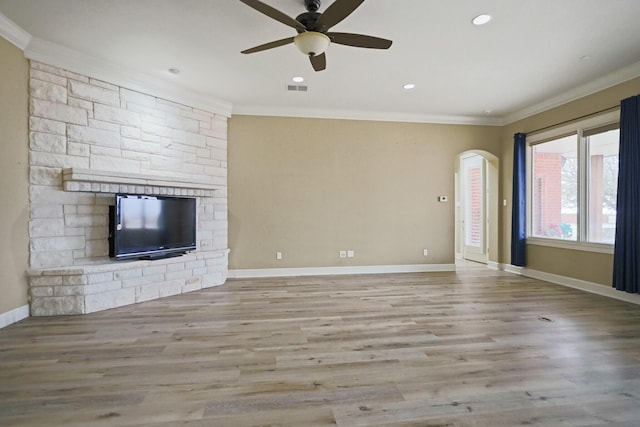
x,y
519,201
626,256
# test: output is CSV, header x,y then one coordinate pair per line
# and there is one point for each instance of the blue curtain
x,y
519,199
626,257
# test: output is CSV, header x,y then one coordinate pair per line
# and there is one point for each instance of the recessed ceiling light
x,y
409,86
174,71
298,79
481,19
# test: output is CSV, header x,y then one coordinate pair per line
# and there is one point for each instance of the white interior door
x,y
474,208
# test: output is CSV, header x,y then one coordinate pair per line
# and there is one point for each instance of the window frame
x,y
577,127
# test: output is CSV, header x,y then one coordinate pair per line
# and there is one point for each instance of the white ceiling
x,y
533,53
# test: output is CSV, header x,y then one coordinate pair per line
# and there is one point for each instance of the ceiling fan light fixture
x,y
312,38
312,43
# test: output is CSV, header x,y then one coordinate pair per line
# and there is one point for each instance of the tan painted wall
x,y
589,266
312,187
14,185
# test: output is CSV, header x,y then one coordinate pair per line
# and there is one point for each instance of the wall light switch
x,y
343,254
504,202
351,254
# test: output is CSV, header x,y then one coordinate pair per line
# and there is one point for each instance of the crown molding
x,y
54,54
312,113
13,32
619,76
82,63
60,56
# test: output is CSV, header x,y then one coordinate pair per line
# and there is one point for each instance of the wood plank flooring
x,y
476,347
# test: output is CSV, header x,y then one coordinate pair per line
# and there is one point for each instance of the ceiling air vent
x,y
296,88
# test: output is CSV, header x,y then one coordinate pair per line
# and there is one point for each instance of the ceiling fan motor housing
x,y
308,19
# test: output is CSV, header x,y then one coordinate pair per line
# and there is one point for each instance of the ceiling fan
x,y
313,30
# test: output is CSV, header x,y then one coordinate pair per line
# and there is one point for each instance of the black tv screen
x,y
151,226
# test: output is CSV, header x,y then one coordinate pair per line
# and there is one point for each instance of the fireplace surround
x,y
90,139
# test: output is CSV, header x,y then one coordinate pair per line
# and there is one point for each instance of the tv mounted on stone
x,y
149,227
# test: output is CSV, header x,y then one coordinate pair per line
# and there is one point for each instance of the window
x,y
572,181
555,188
602,146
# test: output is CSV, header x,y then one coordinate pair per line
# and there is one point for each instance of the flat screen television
x,y
151,226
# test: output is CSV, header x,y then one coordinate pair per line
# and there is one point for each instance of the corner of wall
x,y
14,185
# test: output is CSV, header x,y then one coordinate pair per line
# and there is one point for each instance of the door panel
x,y
474,208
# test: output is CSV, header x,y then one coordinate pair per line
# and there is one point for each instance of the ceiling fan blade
x,y
274,14
335,13
360,40
269,45
319,62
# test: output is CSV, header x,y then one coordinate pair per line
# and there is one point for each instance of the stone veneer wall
x,y
116,140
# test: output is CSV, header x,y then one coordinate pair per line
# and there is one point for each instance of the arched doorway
x,y
476,207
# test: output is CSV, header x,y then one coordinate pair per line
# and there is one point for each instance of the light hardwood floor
x,y
473,348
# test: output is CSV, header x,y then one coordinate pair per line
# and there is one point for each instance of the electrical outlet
x,y
351,254
343,254
425,252
278,255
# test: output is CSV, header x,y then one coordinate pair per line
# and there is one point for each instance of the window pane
x,y
603,185
555,189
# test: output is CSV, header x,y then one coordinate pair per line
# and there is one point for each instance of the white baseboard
x,y
331,271
13,316
511,268
570,282
493,265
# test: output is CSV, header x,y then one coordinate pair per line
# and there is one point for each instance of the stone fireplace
x,y
90,139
